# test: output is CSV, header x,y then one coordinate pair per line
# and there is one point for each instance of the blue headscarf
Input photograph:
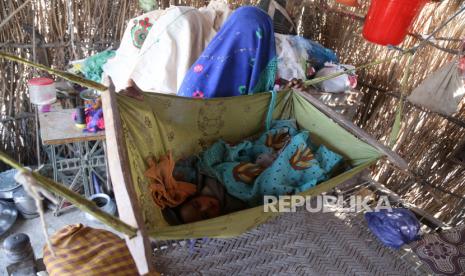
x,y
240,60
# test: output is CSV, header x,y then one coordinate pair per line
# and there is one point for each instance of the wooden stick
x,y
9,17
75,198
65,75
125,195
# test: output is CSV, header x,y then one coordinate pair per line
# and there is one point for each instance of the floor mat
x,y
299,243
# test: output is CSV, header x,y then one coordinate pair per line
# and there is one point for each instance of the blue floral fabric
x,y
317,54
240,60
295,165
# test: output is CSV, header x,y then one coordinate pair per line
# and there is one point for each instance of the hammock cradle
x,y
160,123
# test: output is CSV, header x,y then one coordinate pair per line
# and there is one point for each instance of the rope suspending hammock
x,y
100,87
73,197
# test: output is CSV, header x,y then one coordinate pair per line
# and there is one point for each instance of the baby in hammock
x,y
231,177
211,201
182,201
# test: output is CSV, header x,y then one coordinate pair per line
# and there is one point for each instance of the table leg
x,y
108,187
73,187
86,157
84,167
53,160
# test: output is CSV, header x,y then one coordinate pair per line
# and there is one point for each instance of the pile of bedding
x,y
281,161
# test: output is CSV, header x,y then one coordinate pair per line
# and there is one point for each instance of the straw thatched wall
x,y
427,139
96,24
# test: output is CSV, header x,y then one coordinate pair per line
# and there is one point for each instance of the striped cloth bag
x,y
81,250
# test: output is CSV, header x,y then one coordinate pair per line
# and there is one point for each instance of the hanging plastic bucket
x,y
388,21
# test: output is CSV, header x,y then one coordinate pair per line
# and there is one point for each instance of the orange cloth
x,y
167,191
82,250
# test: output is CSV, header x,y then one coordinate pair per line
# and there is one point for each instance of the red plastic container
x,y
388,21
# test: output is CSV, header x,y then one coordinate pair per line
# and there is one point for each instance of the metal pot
x,y
8,184
17,248
8,215
104,202
25,204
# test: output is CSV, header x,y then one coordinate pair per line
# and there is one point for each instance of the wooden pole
x,y
125,195
75,198
65,75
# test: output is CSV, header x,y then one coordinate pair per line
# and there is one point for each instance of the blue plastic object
x,y
395,228
317,54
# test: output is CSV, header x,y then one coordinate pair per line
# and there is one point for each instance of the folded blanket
x,y
166,190
187,170
244,169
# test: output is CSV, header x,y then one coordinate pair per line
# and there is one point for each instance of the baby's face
x,y
199,208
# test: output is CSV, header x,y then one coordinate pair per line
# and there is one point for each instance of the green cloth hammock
x,y
185,126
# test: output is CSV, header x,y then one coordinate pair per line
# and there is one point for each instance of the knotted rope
x,y
31,186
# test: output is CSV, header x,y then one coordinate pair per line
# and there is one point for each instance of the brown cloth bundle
x,y
166,190
81,250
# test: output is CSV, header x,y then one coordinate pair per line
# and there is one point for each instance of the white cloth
x,y
291,58
338,84
120,67
442,91
176,39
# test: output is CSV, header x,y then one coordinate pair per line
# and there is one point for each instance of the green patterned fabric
x,y
267,77
186,126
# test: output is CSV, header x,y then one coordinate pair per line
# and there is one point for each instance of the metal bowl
x,y
89,95
25,204
8,184
104,203
8,215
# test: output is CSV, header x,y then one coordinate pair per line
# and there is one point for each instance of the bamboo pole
x,y
65,75
100,87
75,198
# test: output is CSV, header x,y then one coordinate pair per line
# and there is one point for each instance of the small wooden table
x,y
76,156
57,127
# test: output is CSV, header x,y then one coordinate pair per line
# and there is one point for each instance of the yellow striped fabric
x,y
81,250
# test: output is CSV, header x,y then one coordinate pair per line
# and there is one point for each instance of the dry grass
x,y
427,139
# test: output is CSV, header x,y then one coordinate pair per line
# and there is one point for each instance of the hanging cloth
x,y
240,60
442,91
